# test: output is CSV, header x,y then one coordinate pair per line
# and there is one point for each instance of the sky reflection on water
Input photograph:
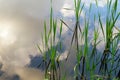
x,y
25,18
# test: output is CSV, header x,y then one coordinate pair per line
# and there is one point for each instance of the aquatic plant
x,y
90,64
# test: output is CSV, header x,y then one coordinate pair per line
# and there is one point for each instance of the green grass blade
x,y
45,32
61,25
101,26
39,48
66,25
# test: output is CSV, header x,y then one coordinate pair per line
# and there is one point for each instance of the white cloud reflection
x,y
21,23
70,5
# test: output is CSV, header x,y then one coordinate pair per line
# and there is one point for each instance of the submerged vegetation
x,y
90,63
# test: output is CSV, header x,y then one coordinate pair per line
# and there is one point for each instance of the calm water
x,y
21,23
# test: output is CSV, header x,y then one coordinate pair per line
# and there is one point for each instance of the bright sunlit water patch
x,y
6,35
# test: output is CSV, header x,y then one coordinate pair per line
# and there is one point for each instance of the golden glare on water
x,y
6,35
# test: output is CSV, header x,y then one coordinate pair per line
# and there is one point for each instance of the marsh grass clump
x,y
78,7
50,59
111,42
90,64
